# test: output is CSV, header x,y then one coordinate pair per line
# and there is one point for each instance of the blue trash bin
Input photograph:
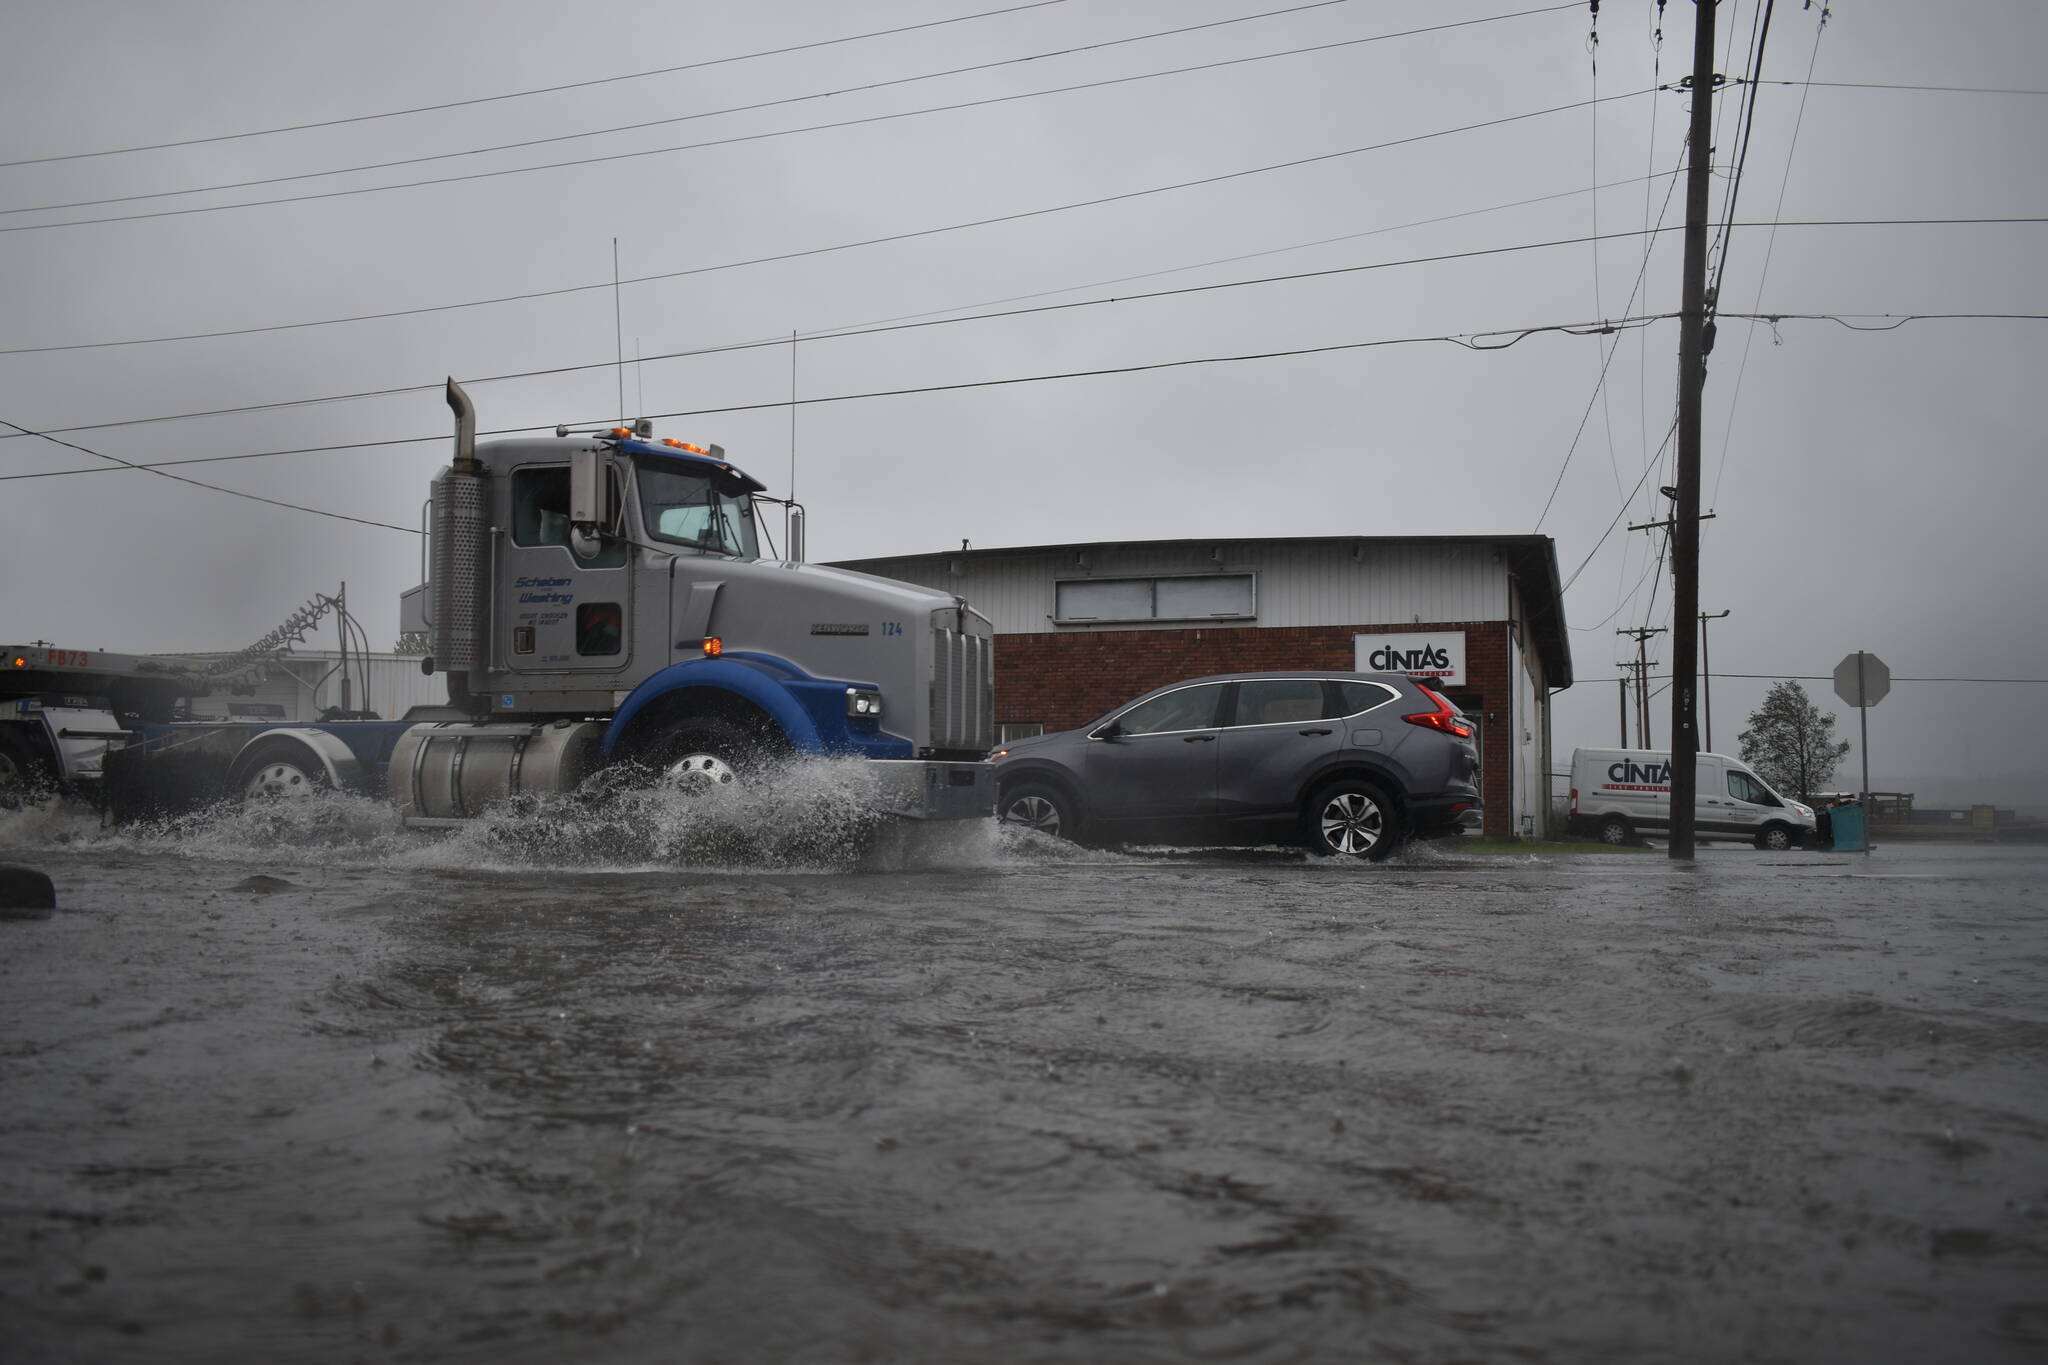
x,y
1848,824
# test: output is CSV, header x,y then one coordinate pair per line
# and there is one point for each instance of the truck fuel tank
x,y
444,772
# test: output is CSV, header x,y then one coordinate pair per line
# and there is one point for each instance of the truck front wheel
x,y
1775,839
710,753
277,769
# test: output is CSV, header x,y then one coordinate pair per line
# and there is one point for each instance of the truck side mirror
x,y
591,507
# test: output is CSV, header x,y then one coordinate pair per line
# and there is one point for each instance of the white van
x,y
1619,795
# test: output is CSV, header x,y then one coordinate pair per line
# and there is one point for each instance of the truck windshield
x,y
682,507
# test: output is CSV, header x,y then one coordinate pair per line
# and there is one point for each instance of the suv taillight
x,y
1443,718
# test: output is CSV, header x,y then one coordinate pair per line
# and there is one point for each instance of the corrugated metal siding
x,y
307,682
1296,585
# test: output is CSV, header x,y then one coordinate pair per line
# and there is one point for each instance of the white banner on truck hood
x,y
1434,656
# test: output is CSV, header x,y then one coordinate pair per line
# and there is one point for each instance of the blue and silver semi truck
x,y
596,600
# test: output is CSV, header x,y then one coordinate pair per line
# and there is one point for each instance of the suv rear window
x,y
1280,701
1354,697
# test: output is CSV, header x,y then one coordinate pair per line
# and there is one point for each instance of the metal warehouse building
x,y
1081,628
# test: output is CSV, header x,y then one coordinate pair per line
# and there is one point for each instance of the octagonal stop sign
x,y
1865,685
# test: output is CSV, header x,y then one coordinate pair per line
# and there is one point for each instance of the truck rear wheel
x,y
1615,830
277,769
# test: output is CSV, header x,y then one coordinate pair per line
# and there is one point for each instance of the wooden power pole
x,y
1693,341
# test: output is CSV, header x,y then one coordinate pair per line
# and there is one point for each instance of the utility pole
x,y
1642,636
1707,676
1693,343
1624,706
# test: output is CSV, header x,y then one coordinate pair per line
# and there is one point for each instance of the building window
x,y
1018,729
1208,597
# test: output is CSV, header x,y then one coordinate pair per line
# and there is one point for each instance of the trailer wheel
x,y
1040,806
1615,830
277,769
24,775
1351,819
1775,839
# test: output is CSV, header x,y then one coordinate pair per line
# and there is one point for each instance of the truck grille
x,y
963,691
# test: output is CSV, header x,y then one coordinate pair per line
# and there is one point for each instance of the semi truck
x,y
597,602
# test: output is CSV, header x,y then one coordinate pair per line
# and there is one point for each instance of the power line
x,y
210,487
1468,341
1746,125
1879,85
1476,341
1764,271
840,334
542,90
1600,383
1894,322
814,251
733,140
839,93
1630,497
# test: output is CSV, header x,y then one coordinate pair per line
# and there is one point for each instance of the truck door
x,y
1159,762
558,613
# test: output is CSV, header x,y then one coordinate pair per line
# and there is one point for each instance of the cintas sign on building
x,y
1437,656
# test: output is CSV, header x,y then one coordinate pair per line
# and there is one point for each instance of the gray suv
x,y
1347,763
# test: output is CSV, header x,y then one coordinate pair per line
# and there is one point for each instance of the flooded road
x,y
297,1086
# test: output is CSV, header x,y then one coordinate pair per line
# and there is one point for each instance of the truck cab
x,y
618,583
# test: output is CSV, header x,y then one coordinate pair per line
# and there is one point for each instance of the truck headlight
x,y
863,703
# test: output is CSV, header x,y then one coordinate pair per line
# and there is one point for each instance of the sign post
x,y
1863,680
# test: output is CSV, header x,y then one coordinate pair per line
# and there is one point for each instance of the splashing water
x,y
807,815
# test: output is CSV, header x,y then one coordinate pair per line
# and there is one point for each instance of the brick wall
x,y
1065,679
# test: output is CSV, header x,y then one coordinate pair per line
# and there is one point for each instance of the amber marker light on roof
x,y
713,647
622,432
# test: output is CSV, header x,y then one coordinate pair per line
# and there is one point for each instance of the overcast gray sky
x,y
1873,489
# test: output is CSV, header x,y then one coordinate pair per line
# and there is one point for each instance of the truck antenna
x,y
792,437
618,331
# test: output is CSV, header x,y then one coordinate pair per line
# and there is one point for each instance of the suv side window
x,y
1187,708
1354,697
1279,701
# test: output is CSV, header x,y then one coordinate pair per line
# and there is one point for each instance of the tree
x,y
1790,743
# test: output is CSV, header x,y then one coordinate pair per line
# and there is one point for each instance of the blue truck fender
x,y
759,680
